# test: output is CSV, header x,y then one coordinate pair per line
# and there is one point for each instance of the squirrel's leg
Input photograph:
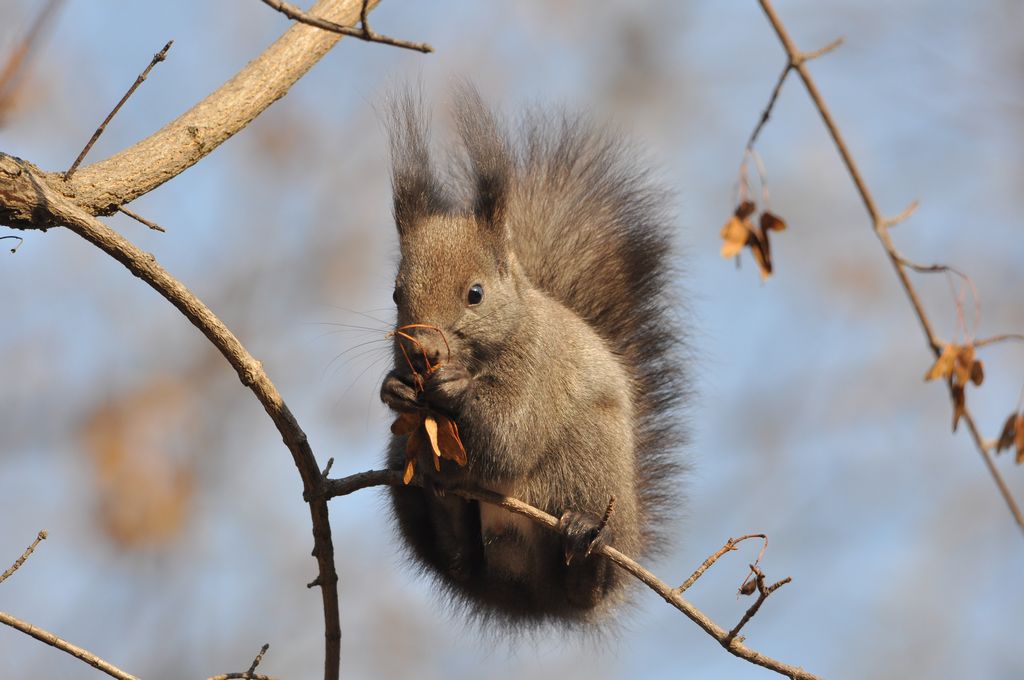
x,y
456,525
441,529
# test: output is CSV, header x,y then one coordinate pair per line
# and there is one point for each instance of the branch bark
x,y
33,199
101,187
728,639
65,646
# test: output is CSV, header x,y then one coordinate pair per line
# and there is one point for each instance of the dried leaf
x,y
1006,437
430,426
762,254
413,445
406,423
943,366
735,233
772,222
440,431
959,404
744,210
450,442
977,372
749,586
1018,439
963,364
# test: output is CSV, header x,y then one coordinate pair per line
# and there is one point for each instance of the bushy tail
x,y
592,228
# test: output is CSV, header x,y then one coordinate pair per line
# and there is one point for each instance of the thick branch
x,y
101,187
734,645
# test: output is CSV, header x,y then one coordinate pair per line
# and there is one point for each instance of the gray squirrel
x,y
535,290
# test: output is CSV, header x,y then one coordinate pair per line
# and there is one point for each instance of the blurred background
x,y
179,542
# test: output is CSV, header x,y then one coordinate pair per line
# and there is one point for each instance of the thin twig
x,y
790,65
24,556
65,646
140,218
250,674
999,338
363,32
763,592
729,546
929,268
16,63
259,657
820,52
767,113
157,58
347,485
903,216
605,518
879,223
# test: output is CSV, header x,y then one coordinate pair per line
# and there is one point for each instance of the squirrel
x,y
536,308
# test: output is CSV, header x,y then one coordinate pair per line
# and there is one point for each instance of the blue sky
x,y
812,422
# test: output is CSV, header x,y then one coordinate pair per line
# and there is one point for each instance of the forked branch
x,y
363,32
728,639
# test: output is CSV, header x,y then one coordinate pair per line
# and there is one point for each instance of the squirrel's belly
x,y
508,539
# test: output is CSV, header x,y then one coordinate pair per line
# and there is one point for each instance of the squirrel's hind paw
x,y
581,534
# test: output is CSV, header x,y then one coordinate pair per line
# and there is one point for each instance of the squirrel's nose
x,y
427,350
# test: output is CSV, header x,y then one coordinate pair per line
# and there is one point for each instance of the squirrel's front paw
x,y
447,387
581,534
397,392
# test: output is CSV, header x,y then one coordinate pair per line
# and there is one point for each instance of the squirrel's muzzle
x,y
424,346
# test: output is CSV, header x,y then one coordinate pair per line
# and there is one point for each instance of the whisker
x,y
386,324
352,357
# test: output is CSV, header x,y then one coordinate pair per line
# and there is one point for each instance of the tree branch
x,y
362,33
734,645
24,556
65,646
24,190
881,226
33,199
250,674
100,188
157,58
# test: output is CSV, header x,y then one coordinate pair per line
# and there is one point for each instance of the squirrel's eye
x,y
475,294
394,295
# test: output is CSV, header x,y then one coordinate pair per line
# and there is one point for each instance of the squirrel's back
x,y
592,228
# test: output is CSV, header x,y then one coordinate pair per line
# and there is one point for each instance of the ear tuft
x,y
417,192
488,163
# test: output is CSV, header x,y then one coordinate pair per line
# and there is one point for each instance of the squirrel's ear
x,y
417,193
488,162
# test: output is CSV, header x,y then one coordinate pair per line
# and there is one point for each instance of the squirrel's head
x,y
458,271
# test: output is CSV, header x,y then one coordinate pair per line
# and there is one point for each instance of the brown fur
x,y
564,380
